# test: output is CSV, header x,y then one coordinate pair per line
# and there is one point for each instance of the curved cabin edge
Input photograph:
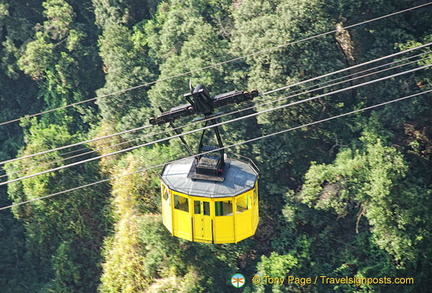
x,y
210,220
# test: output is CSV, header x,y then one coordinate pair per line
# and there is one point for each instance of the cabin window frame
x,y
181,205
224,208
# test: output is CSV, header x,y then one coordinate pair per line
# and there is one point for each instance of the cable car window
x,y
243,203
181,203
165,193
206,206
223,208
197,207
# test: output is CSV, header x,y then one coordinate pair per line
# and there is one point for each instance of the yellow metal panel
x,y
166,208
246,215
182,222
243,225
255,207
223,229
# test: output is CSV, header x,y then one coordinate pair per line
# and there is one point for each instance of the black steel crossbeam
x,y
200,102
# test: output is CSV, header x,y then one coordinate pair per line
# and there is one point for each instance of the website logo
x,y
238,280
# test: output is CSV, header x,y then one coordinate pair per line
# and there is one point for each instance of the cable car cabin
x,y
207,209
206,198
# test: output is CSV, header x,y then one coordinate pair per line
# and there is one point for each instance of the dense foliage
x,y
346,198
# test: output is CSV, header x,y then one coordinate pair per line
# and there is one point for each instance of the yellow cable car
x,y
207,198
210,211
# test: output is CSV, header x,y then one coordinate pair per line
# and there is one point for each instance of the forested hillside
x,y
343,198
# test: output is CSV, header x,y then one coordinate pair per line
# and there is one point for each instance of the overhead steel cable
x,y
313,89
221,115
217,124
310,89
350,68
266,93
74,144
215,64
225,147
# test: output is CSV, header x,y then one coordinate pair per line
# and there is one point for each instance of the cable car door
x,y
202,222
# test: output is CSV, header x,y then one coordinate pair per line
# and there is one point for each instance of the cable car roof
x,y
240,178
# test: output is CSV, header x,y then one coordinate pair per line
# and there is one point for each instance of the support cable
x,y
225,147
295,94
215,64
218,124
266,93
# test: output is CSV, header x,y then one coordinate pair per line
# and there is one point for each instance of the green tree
x,y
125,64
272,266
59,57
63,233
18,93
374,183
183,37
